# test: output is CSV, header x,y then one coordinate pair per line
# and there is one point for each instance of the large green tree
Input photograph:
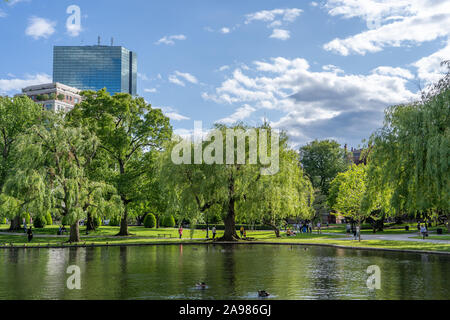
x,y
412,152
127,128
17,115
322,161
51,173
230,187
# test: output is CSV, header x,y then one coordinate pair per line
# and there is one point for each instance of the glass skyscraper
x,y
96,67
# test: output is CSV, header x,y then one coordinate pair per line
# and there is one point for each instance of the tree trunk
x,y
90,226
124,224
359,233
15,224
230,224
75,232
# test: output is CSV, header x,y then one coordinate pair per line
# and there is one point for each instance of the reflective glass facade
x,y
96,67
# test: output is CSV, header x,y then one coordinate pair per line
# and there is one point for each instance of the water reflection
x,y
230,272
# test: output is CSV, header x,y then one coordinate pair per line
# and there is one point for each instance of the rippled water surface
x,y
231,272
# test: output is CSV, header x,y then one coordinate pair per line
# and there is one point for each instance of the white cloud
x,y
240,114
150,90
390,23
170,40
14,2
8,86
176,116
73,30
174,78
288,15
313,4
187,76
315,104
225,30
40,28
429,68
280,34
223,68
2,13
173,114
391,71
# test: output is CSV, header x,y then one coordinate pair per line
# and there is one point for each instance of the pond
x,y
230,272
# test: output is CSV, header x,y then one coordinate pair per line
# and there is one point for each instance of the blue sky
x,y
317,69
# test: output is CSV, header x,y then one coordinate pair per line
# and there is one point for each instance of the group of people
x,y
306,227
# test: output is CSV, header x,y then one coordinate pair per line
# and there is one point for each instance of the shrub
x,y
39,222
3,220
48,219
150,221
27,218
168,222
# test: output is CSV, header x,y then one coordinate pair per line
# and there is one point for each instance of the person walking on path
x,y
310,227
180,231
30,234
348,227
242,231
423,231
319,225
214,232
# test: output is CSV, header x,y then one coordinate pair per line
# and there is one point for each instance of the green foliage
x,y
128,130
234,191
2,220
411,156
322,161
97,222
39,222
150,221
168,221
60,97
114,221
48,219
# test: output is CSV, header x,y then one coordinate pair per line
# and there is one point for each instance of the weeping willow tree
x,y
51,173
220,173
273,198
17,115
412,151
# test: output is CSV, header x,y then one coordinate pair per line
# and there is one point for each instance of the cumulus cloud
x,y
150,90
429,68
40,28
390,23
225,30
170,40
14,85
240,114
288,15
280,34
309,101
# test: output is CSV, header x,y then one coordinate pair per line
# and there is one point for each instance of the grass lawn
x,y
104,235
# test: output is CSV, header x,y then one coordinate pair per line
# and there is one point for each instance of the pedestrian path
x,y
391,237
